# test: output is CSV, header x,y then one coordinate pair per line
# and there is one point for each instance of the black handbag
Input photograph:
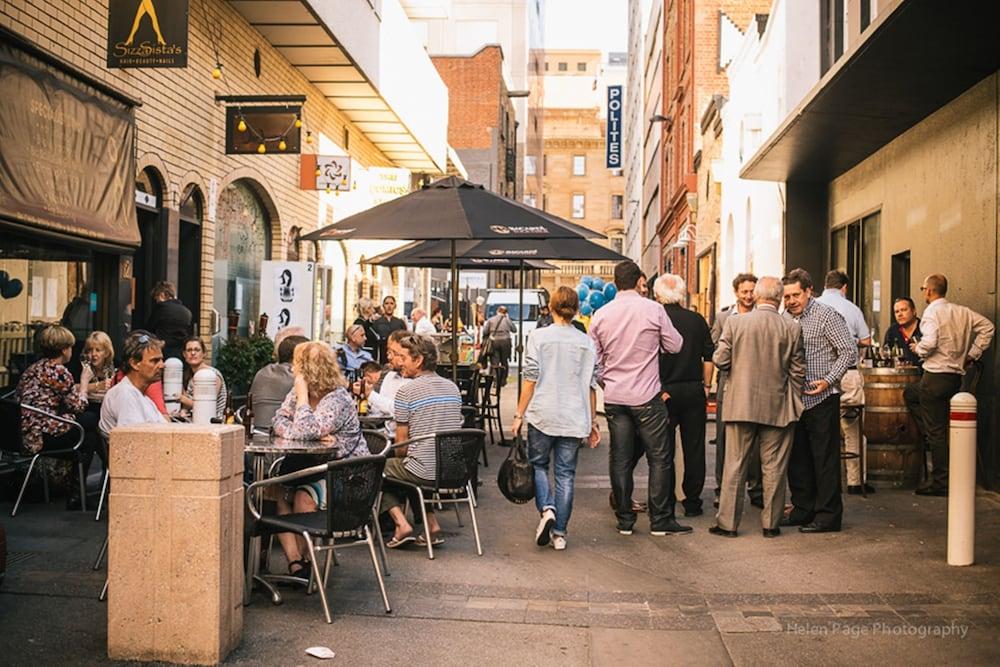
x,y
516,477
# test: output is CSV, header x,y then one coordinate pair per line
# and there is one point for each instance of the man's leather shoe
x,y
694,511
671,528
931,491
794,520
722,532
771,532
818,528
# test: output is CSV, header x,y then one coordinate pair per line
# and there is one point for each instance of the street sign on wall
x,y
614,130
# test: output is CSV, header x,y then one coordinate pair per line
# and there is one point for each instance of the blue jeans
x,y
565,451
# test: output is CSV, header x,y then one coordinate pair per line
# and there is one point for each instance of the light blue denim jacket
x,y
562,361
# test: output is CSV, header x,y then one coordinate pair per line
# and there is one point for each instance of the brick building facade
x,y
180,148
692,74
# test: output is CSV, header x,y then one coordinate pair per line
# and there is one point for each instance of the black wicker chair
x,y
457,456
353,490
13,450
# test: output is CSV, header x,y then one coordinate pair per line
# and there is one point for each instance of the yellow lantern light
x,y
282,145
217,71
241,126
261,148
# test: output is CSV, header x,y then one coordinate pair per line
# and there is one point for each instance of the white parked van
x,y
533,300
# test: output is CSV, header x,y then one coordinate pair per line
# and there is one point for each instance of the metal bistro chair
x,y
353,490
10,422
457,456
489,406
107,475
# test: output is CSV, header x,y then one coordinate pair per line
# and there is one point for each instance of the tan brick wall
x,y
180,128
570,132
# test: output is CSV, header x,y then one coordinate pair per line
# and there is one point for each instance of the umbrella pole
x,y
520,330
454,314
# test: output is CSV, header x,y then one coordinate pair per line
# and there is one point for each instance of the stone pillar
x,y
175,557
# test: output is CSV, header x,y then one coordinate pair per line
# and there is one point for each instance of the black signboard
x,y
272,126
147,33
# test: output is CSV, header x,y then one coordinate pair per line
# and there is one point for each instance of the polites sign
x,y
147,33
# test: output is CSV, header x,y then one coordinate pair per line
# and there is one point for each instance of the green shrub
x,y
240,358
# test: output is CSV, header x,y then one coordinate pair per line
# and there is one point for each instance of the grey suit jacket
x,y
763,353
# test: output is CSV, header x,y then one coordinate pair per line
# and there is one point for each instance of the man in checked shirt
x,y
814,465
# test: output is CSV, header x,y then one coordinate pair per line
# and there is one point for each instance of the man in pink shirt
x,y
629,334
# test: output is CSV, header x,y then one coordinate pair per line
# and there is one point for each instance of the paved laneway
x,y
878,592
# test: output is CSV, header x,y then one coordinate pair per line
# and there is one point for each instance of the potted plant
x,y
240,357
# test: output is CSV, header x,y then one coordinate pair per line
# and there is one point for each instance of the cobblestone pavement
x,y
878,591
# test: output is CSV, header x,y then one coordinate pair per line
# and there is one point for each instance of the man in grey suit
x,y
743,286
766,362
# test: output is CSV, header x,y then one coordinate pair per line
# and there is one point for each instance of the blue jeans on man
x,y
563,451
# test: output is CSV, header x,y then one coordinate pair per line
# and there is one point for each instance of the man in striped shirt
x,y
814,465
427,404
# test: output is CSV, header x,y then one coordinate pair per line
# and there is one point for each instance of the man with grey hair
x,y
765,358
421,323
352,354
685,380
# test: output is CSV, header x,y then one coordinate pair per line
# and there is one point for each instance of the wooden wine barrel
x,y
895,451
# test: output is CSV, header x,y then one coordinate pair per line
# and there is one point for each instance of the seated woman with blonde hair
x,y
318,407
99,356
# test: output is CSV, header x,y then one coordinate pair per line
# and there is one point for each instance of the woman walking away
x,y
559,402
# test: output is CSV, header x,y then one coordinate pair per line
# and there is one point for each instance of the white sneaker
x,y
545,524
558,542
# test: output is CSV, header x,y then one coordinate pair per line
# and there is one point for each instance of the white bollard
x,y
204,395
173,383
962,480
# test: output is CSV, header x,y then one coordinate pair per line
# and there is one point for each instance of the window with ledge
x,y
579,165
617,244
563,67
581,67
579,206
529,165
616,207
530,200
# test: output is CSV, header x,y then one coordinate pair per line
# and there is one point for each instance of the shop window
x,y
192,210
900,275
579,165
294,245
855,249
242,242
616,207
579,205
150,261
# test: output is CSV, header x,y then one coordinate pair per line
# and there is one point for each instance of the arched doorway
x,y
150,265
242,243
192,211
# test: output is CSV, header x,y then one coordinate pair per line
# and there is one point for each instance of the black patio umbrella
x,y
451,209
413,255
521,251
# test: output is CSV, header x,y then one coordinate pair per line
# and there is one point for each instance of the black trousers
x,y
930,402
686,408
646,427
91,443
755,481
814,465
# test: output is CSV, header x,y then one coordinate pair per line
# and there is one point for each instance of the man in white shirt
x,y
852,385
126,403
421,323
383,401
953,337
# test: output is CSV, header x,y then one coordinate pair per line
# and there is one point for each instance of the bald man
x,y
953,337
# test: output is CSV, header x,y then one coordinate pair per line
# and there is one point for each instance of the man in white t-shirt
x,y
421,323
383,400
126,403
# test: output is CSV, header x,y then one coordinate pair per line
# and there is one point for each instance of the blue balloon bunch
x,y
594,293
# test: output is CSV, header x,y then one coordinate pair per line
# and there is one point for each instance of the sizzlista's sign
x,y
147,33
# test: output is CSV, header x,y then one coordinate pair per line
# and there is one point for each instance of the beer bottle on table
x,y
229,416
362,399
248,417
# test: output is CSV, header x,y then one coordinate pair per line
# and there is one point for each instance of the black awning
x,y
913,60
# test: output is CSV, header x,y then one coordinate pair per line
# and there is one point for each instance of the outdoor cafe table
x,y
262,447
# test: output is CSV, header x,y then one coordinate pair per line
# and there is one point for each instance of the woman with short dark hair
x,y
49,386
